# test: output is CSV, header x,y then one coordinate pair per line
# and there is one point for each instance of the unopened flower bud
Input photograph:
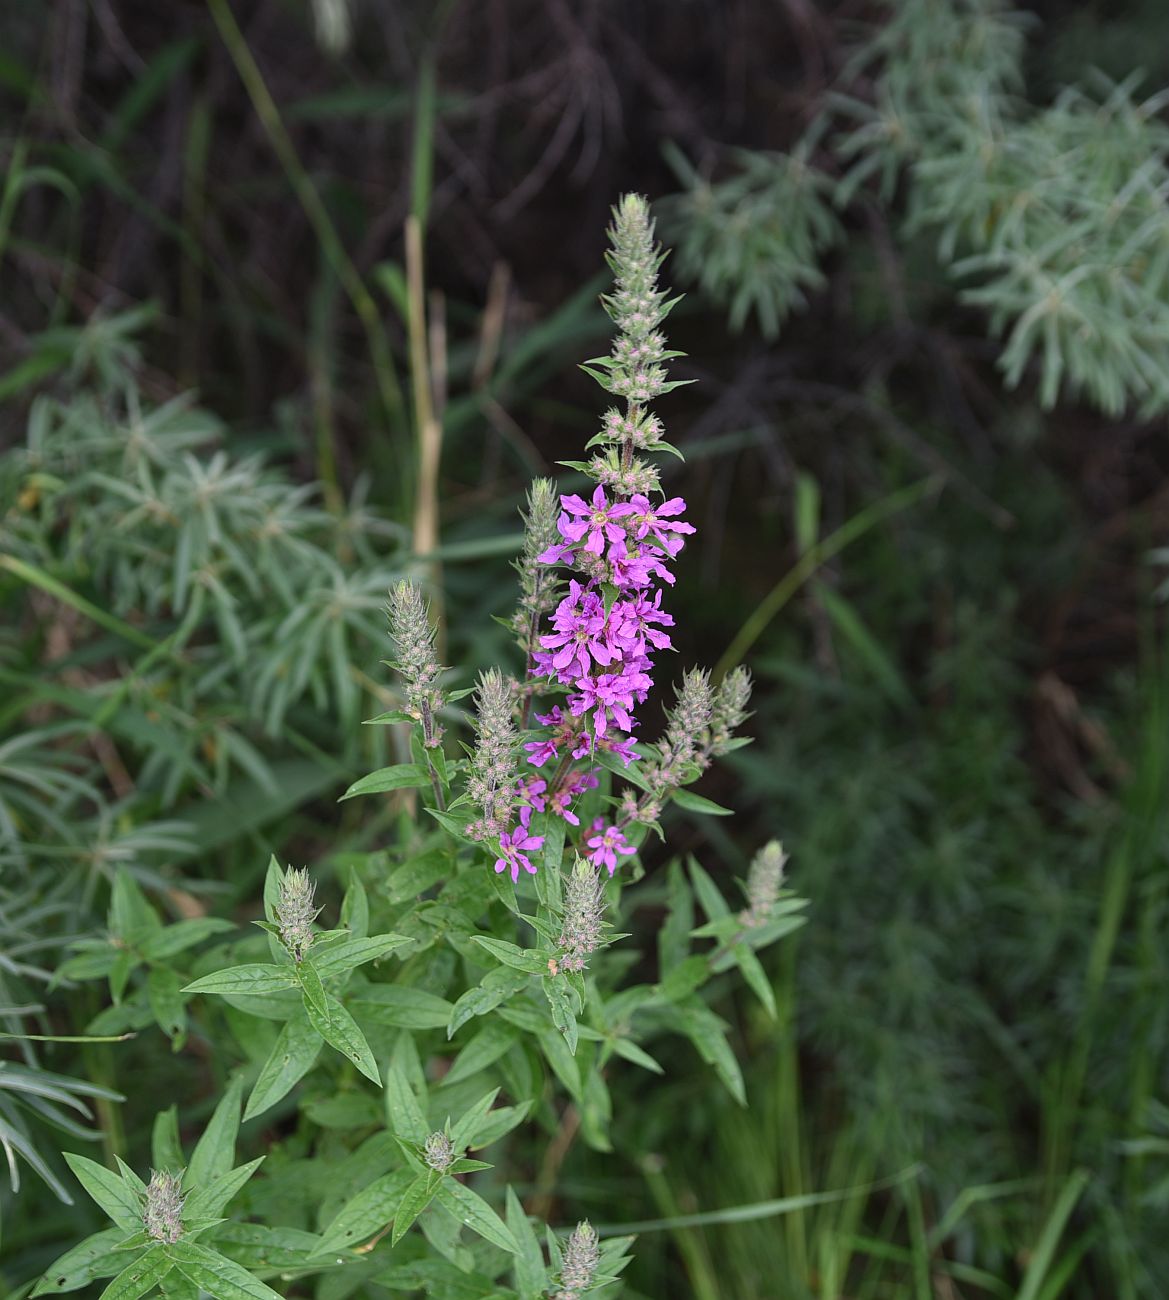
x,y
584,911
439,1152
295,912
162,1215
730,708
415,658
539,585
582,1254
491,783
764,881
689,717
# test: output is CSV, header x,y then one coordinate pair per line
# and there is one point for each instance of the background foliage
x,y
926,247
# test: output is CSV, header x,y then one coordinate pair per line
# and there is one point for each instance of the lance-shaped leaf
x,y
293,1055
214,1153
414,1200
473,1211
95,1257
208,1202
338,1028
400,1006
366,1214
216,1274
403,1113
245,980
523,959
112,1193
530,1275
143,1275
342,957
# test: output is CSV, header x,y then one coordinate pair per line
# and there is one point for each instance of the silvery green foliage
x,y
754,241
1054,221
230,609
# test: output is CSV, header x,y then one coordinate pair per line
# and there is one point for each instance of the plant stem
x,y
314,208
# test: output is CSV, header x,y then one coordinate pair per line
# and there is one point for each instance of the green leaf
x,y
708,1034
565,1005
493,989
713,903
338,1028
499,1123
166,1151
403,1113
293,1055
166,1001
214,1153
628,1049
221,1277
561,1060
143,1275
131,916
807,512
400,1006
245,980
257,1246
523,959
208,1201
355,907
684,978
345,956
313,991
414,1200
471,1119
366,1214
181,936
273,879
108,1190
402,776
484,1047
530,1274
95,1257
698,804
471,1210
755,976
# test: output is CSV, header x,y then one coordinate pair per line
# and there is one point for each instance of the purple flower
x,y
540,751
513,845
621,746
630,624
593,521
580,638
605,843
530,793
651,522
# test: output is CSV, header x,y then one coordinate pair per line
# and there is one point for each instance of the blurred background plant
x,y
937,229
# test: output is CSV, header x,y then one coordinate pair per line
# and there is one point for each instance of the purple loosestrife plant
x,y
468,955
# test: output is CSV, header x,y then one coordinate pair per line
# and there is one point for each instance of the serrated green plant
x,y
475,993
1052,221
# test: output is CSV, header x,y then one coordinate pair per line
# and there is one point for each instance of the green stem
x,y
810,561
314,208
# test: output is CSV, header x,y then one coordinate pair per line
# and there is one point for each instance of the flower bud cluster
x,y
491,782
538,585
582,1255
415,658
162,1215
295,912
638,478
438,1153
730,709
764,881
584,911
